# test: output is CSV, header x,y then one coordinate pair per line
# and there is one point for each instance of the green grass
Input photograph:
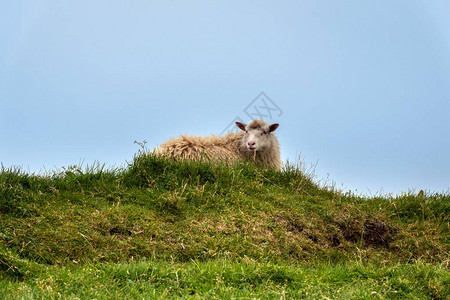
x,y
225,279
161,228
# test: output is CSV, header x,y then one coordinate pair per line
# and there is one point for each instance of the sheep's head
x,y
258,135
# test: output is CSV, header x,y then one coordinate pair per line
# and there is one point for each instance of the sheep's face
x,y
258,135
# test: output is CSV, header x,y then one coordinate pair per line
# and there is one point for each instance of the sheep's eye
x,y
263,133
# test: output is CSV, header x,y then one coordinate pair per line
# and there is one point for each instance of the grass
x,y
161,228
225,279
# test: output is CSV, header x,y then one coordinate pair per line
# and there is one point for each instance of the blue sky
x,y
362,87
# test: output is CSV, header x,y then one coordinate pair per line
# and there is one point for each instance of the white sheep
x,y
256,142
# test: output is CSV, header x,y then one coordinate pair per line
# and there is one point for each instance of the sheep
x,y
255,142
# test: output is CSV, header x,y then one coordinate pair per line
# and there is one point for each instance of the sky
x,y
361,89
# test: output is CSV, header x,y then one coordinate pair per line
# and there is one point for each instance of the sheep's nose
x,y
251,144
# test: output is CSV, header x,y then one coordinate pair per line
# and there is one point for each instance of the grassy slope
x,y
186,229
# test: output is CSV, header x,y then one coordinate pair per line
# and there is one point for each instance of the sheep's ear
x,y
273,127
241,125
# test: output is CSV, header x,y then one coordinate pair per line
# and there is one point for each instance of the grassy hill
x,y
160,228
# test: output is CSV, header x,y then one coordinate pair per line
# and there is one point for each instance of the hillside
x,y
248,232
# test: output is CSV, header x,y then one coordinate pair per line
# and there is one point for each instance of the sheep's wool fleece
x,y
228,147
